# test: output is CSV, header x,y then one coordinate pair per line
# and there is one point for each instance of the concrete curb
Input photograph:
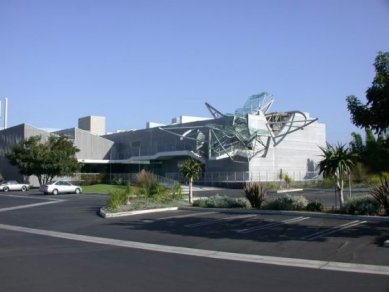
x,y
293,213
288,191
105,214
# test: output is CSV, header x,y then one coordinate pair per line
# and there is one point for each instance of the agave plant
x,y
255,193
381,194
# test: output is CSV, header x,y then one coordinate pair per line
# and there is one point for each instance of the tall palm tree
x,y
191,170
337,162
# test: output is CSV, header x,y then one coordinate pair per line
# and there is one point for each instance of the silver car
x,y
13,185
59,186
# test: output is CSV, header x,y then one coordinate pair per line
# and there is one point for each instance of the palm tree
x,y
337,162
191,170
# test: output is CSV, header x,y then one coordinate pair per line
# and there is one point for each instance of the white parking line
x,y
29,205
250,258
28,197
215,221
332,230
272,224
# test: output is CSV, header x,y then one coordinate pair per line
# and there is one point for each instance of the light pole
x,y
137,144
139,158
110,166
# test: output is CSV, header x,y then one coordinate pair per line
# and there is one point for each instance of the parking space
x,y
248,225
293,236
15,200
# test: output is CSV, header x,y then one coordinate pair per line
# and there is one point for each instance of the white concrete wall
x,y
94,124
296,155
91,146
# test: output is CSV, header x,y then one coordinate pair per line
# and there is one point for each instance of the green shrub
x,y
88,179
359,173
118,181
361,206
148,183
315,207
255,193
327,182
288,180
373,180
176,191
381,195
287,202
116,199
272,185
218,201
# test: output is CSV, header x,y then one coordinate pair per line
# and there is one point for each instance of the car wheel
x,y
55,192
6,189
24,188
78,191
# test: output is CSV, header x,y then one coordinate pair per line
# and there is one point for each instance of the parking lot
x,y
356,240
67,229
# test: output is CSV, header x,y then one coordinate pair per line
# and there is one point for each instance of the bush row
x,y
256,197
361,206
287,202
219,201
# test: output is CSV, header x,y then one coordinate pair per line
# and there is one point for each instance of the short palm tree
x,y
337,162
191,170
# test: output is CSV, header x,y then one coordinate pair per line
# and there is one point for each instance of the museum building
x,y
252,144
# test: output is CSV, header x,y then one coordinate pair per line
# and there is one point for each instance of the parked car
x,y
59,186
13,185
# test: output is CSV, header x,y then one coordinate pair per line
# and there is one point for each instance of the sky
x,y
134,61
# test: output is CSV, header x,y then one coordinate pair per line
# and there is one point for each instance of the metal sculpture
x,y
248,132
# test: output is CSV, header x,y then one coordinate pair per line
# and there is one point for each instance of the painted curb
x,y
105,214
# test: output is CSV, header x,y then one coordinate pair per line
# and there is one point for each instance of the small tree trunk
x,y
190,191
341,196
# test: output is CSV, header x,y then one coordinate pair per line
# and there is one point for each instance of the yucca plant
x,y
191,170
337,163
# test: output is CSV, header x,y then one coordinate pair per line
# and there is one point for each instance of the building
x,y
93,124
251,144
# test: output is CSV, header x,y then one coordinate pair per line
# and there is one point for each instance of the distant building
x,y
251,144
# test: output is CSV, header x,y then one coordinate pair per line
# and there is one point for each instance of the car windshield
x,y
51,182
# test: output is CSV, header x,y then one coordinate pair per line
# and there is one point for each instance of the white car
x,y
59,186
13,185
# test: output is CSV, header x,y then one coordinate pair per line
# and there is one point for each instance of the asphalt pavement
x,y
59,243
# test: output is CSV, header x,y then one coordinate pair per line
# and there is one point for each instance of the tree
x,y
191,170
374,114
374,152
46,160
337,162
